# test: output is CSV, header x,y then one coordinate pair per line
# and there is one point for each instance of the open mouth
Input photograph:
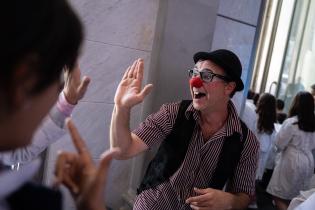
x,y
198,95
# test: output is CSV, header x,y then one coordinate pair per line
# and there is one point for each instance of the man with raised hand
x,y
204,146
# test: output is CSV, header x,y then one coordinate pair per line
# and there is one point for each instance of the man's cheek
x,y
214,84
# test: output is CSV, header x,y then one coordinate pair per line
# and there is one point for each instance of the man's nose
x,y
196,82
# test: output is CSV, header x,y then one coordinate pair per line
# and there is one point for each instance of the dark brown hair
x,y
266,110
47,30
303,107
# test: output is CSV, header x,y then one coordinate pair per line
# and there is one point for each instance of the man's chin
x,y
197,105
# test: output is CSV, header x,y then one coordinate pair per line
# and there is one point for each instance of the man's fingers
x,y
198,199
126,73
107,157
145,91
105,163
83,86
202,191
198,207
139,69
132,68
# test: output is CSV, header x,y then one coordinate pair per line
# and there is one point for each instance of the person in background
x,y
295,140
256,98
265,129
281,116
248,115
52,128
250,99
306,199
265,132
313,91
41,37
203,143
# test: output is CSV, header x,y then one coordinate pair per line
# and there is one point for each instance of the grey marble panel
x,y
92,121
243,10
129,23
236,37
106,64
188,29
117,182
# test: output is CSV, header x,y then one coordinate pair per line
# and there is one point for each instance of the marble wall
x,y
116,33
236,29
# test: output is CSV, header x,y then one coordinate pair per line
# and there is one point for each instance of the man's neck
x,y
211,122
214,116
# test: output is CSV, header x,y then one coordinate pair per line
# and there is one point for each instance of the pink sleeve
x,y
64,106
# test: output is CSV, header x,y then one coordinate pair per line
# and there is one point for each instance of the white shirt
x,y
249,117
12,180
48,133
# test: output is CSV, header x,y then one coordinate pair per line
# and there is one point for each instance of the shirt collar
x,y
233,123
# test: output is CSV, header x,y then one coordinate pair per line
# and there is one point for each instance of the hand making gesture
x,y
129,92
81,176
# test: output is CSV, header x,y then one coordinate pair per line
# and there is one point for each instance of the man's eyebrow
x,y
207,69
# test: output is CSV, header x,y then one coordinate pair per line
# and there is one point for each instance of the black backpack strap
x,y
171,152
229,158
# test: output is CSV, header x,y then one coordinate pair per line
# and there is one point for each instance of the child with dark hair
x,y
256,98
40,38
250,94
265,129
295,140
250,100
281,116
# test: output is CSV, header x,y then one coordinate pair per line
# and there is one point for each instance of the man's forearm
x,y
239,201
120,134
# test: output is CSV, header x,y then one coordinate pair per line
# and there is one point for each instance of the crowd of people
x,y
208,158
286,162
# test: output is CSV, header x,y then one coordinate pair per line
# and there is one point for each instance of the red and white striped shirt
x,y
200,161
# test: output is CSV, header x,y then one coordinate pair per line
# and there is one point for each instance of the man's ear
x,y
230,87
22,83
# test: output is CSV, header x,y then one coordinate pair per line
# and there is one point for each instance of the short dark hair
x,y
256,98
280,104
47,30
250,94
303,107
281,117
313,86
